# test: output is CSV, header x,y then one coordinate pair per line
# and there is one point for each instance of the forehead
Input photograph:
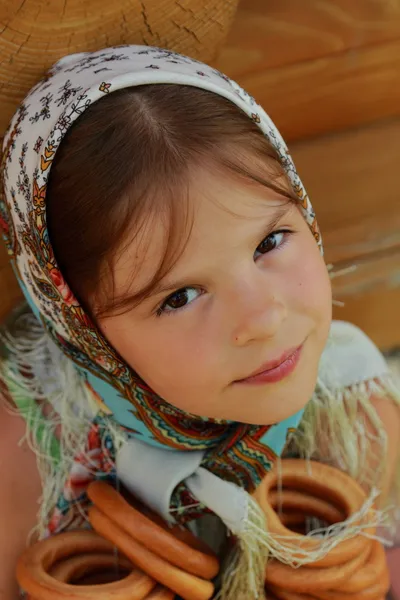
x,y
220,202
220,214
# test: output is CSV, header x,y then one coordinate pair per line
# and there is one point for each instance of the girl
x,y
182,308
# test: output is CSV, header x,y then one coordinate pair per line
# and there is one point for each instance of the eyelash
x,y
161,310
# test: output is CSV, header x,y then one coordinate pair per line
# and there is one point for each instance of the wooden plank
x,y
352,180
377,313
334,92
274,33
371,273
373,235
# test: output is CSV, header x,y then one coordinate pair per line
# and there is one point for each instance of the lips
x,y
277,369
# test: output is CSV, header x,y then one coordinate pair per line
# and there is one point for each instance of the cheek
x,y
309,283
162,354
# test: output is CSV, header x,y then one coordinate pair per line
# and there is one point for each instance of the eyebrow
x,y
163,286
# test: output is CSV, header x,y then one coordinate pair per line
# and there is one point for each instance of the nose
x,y
258,314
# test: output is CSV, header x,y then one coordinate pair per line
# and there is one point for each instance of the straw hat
x,y
36,33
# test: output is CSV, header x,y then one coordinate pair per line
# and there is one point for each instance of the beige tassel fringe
x,y
27,350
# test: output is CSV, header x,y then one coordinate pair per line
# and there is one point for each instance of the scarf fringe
x,y
334,431
243,574
289,550
58,415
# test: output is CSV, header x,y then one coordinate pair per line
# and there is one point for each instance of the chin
x,y
286,402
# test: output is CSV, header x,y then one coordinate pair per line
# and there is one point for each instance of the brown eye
x,y
178,299
271,242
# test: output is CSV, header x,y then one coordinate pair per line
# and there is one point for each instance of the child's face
x,y
248,295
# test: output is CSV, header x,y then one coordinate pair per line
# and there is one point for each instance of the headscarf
x,y
236,452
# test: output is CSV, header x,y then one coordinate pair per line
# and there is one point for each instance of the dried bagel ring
x,y
306,504
375,569
36,563
161,593
78,566
281,594
322,481
75,568
186,585
312,581
374,592
150,534
292,519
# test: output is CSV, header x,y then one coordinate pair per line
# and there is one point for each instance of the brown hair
x,y
128,157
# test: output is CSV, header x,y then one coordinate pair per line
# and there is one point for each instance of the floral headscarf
x,y
234,451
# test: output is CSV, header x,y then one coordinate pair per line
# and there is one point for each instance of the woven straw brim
x,y
34,34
